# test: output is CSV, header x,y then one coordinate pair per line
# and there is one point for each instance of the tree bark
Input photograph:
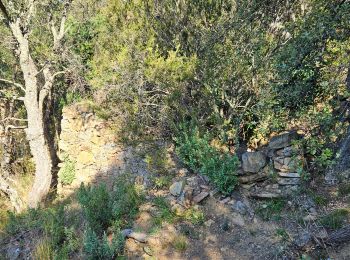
x,y
34,101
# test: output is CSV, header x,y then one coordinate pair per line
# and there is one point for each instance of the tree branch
x,y
13,83
15,127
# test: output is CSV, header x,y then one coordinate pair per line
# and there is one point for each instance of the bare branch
x,y
14,127
13,83
14,119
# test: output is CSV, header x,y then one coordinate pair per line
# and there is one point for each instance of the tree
x,y
38,85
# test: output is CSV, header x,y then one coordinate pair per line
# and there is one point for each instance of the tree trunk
x,y
35,96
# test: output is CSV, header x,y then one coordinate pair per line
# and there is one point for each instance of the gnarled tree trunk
x,y
37,90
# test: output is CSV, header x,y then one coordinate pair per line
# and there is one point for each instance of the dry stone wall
x,y
91,147
274,171
91,144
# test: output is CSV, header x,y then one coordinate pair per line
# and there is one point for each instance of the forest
x,y
174,129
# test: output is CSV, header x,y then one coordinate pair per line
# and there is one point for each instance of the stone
x,y
310,217
176,188
253,161
288,181
186,196
283,140
266,195
85,158
252,178
285,152
148,250
303,239
289,174
209,222
141,237
237,220
201,196
240,207
225,200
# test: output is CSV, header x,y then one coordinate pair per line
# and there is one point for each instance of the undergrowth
x,y
196,152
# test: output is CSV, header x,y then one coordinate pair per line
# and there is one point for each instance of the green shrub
x,y
102,248
335,219
66,174
96,204
108,210
195,151
271,209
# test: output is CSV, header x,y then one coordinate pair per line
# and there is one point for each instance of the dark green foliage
x,y
51,224
335,219
108,210
196,152
271,209
96,204
101,248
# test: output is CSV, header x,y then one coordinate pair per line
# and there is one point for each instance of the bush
x,y
105,210
96,204
66,174
195,151
102,248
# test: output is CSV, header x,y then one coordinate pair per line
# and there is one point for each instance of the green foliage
x,y
66,174
101,248
96,205
335,219
196,152
104,209
283,234
272,209
58,239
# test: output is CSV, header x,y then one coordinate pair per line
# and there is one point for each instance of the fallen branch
x,y
340,236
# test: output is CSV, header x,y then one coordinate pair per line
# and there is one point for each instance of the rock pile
x,y
274,171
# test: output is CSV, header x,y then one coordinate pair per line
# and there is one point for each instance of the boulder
x,y
283,140
253,161
176,188
289,174
288,181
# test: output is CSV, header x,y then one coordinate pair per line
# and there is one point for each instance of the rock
x,y
186,196
310,217
283,140
238,220
240,207
209,222
289,174
303,239
85,158
183,172
13,252
225,200
214,192
201,196
285,152
253,161
148,250
266,195
176,188
129,233
252,178
288,181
